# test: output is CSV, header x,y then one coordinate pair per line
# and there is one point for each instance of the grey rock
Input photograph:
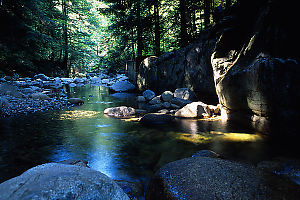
x,y
9,89
148,94
141,99
133,190
184,93
43,77
207,178
167,96
120,112
123,86
167,105
72,85
2,80
40,96
155,100
59,181
76,101
82,163
180,102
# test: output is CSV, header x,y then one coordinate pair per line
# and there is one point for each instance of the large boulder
x,y
60,181
43,77
211,178
255,70
187,67
120,112
184,93
123,86
191,110
40,96
148,94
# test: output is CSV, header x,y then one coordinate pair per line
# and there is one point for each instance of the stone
x,y
156,119
40,96
206,153
148,94
82,163
8,78
123,86
2,80
191,110
60,181
72,84
154,107
207,178
11,90
155,100
76,101
3,102
141,99
167,96
132,189
120,112
184,93
43,77
167,105
180,102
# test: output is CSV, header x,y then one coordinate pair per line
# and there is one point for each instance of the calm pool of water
x,y
120,149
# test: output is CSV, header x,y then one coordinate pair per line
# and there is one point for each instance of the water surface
x,y
123,150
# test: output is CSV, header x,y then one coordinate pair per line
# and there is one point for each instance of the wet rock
x,y
148,94
155,100
155,118
184,93
206,153
167,105
133,190
9,89
76,101
207,178
60,181
3,102
191,110
40,96
72,85
2,80
120,112
141,99
43,77
167,96
81,163
123,86
180,102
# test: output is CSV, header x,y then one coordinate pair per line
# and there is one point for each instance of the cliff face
x,y
256,66
187,67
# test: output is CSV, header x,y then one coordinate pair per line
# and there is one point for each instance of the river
x,y
123,150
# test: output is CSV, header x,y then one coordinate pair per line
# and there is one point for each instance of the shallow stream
x,y
123,150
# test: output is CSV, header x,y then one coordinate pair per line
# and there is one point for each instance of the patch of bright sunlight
x,y
78,114
237,137
134,119
194,138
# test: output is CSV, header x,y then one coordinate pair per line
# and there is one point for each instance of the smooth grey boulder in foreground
x,y
59,181
211,178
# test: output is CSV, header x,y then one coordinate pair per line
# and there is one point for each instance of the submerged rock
x,y
60,181
155,118
120,112
76,101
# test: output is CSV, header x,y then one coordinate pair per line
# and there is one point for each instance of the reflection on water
x,y
122,149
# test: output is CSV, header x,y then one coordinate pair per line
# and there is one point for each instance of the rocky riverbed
x,y
42,93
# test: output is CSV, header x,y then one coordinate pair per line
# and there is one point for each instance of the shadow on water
x,y
120,149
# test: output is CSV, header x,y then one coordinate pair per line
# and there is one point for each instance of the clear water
x,y
123,150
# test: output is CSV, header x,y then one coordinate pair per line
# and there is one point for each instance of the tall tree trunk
x,y
139,34
207,9
183,25
157,28
65,38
